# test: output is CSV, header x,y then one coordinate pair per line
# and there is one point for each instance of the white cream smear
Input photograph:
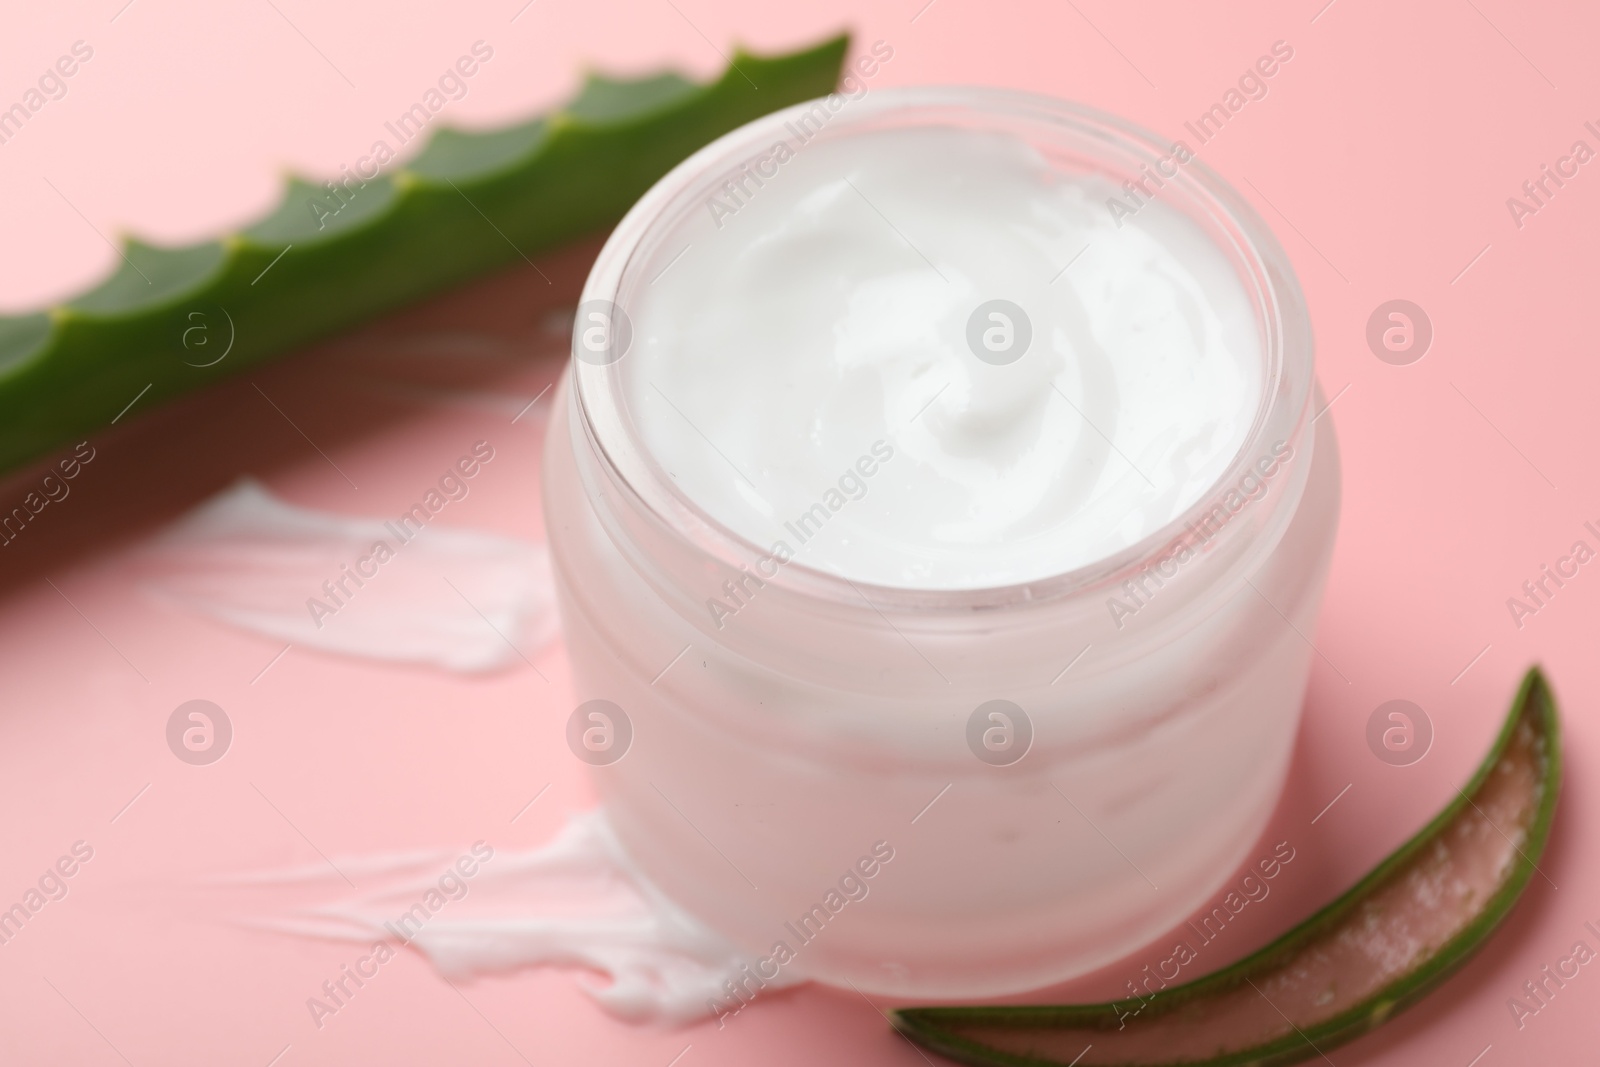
x,y
828,311
460,599
577,903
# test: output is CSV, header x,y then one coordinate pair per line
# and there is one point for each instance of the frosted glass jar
x,y
1148,701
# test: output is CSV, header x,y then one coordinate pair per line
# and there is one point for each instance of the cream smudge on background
x,y
576,902
456,598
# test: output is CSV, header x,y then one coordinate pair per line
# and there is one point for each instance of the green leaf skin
x,y
1463,871
467,204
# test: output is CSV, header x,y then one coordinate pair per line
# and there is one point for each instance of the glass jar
x,y
1039,778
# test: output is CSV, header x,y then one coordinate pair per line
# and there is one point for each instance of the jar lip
x,y
1287,346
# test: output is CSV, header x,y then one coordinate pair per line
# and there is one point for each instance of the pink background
x,y
1383,156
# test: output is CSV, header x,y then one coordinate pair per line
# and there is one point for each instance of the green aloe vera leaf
x,y
1378,949
174,319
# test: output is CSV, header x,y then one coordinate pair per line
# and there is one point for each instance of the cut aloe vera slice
x,y
1376,950
171,319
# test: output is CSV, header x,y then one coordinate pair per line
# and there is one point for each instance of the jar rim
x,y
1285,337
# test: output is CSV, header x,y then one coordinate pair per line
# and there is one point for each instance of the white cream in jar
x,y
829,311
1116,537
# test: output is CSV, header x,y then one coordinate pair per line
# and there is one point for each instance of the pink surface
x,y
1383,154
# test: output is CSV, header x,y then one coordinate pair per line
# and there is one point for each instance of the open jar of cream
x,y
939,510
